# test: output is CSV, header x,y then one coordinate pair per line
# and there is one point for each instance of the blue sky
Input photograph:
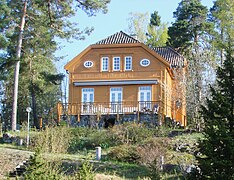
x,y
116,20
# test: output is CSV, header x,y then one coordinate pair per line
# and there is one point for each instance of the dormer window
x,y
88,64
145,62
105,63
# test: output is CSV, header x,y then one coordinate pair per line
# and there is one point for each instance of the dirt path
x,y
10,158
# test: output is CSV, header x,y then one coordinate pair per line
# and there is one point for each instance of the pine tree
x,y
189,26
189,35
45,21
40,169
221,14
157,32
218,146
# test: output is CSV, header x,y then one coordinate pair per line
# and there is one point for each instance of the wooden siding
x,y
157,70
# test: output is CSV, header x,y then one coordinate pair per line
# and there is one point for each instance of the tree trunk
x,y
34,108
17,67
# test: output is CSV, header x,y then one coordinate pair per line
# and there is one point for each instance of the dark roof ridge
x,y
129,36
174,50
169,47
118,38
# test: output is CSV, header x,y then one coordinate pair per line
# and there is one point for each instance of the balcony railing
x,y
94,108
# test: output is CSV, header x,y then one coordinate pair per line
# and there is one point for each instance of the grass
x,y
70,162
12,146
125,170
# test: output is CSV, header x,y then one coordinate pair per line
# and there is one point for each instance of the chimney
x,y
134,36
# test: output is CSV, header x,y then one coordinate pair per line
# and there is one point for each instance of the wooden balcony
x,y
100,108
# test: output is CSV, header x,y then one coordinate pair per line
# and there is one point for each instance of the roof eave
x,y
162,59
71,62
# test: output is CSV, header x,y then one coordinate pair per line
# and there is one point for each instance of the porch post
x,y
138,112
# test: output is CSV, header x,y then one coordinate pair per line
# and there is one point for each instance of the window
x,y
105,63
128,63
87,100
145,97
87,95
116,95
145,62
116,63
88,64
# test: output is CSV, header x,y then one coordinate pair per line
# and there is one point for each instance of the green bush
x,y
86,172
123,153
130,133
40,169
52,140
95,138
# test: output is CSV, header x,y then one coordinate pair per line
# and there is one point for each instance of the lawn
x,y
128,152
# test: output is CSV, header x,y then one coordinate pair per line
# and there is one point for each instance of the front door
x,y
87,100
145,97
116,99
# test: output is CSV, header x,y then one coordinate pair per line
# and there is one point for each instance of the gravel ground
x,y
10,158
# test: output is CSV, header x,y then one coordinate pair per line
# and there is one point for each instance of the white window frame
x,y
143,61
116,106
116,89
145,103
105,66
88,64
87,91
126,58
116,63
87,106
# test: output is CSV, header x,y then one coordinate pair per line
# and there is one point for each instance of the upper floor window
x,y
105,63
145,62
116,63
88,64
128,63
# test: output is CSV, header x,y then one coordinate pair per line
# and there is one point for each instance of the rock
x,y
7,138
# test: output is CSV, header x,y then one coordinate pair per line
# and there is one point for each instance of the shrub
x,y
86,172
40,169
90,141
130,133
151,150
52,140
123,153
150,153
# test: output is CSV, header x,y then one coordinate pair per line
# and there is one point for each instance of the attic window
x,y
145,62
88,64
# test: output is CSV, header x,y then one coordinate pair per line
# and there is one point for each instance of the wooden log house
x,y
120,75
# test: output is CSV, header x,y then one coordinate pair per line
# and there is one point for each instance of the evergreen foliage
x,y
218,145
157,32
86,172
45,22
155,19
190,24
39,169
189,35
221,15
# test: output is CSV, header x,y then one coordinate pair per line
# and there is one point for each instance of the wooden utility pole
x,y
17,67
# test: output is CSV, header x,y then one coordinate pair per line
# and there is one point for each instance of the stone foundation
x,y
92,121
